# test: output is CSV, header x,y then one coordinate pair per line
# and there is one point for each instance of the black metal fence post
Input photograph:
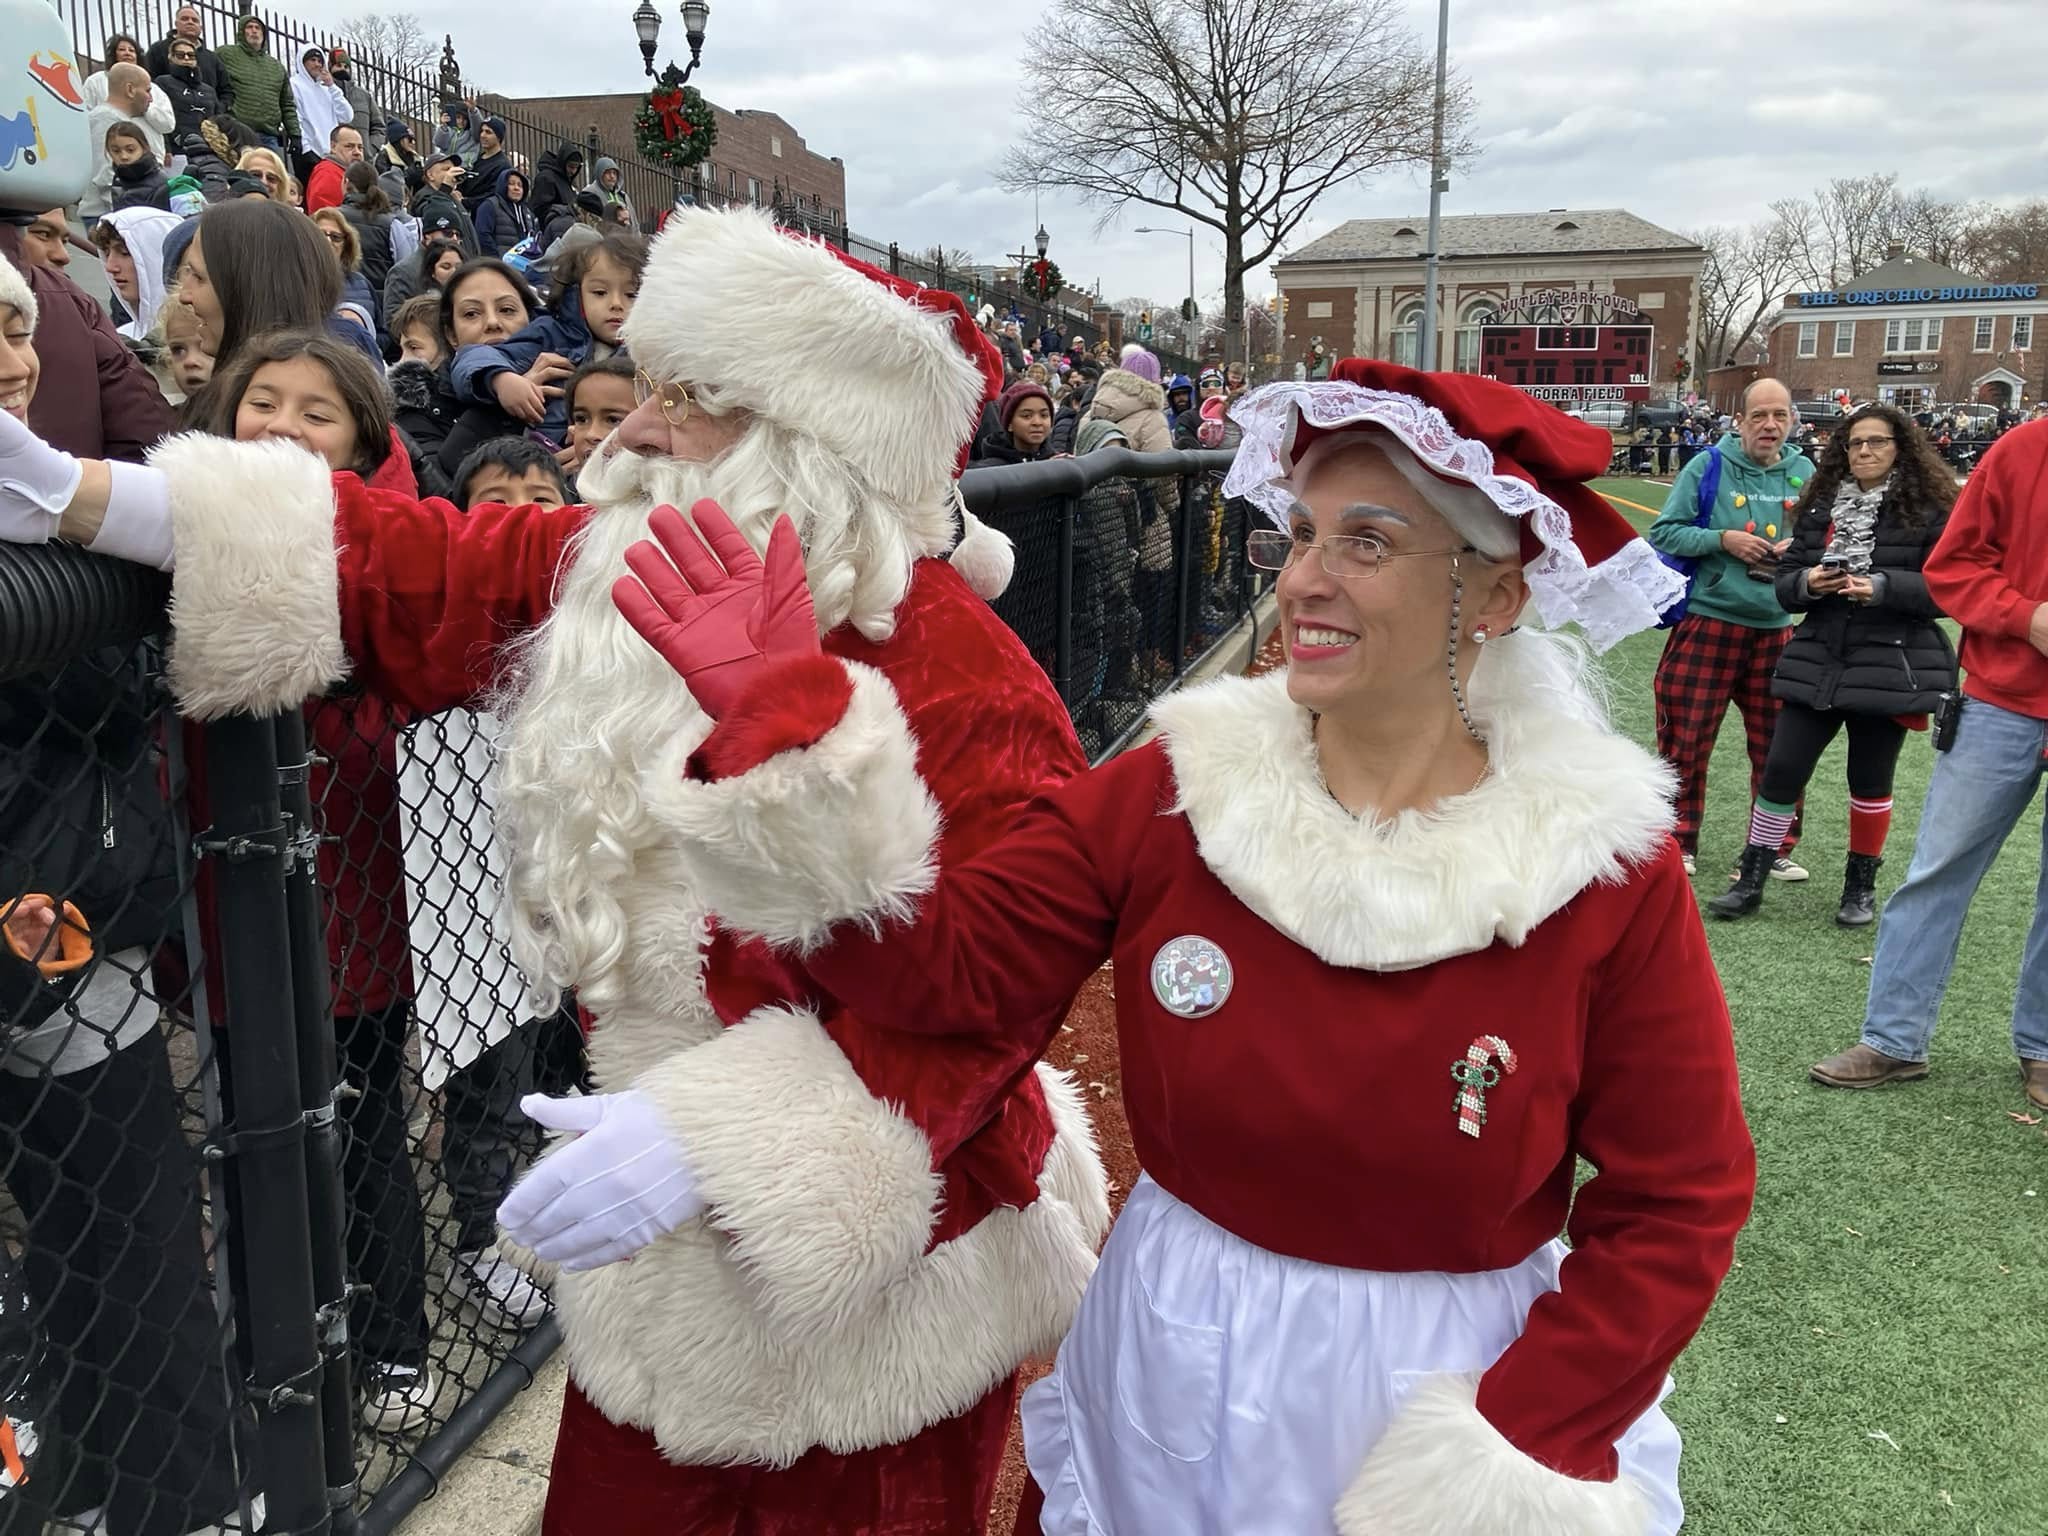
x,y
1063,603
319,1088
247,847
1183,575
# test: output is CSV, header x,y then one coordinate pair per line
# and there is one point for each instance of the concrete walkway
x,y
500,1485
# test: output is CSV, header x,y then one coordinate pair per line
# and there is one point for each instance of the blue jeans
x,y
1979,791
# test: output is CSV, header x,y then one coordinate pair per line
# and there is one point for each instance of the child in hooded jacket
x,y
594,292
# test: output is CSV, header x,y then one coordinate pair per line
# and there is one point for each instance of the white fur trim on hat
x,y
14,289
984,557
1622,595
779,326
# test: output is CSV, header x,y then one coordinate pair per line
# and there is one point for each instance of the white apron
x,y
1211,1388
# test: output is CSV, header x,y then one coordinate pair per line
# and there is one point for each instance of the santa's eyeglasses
x,y
675,398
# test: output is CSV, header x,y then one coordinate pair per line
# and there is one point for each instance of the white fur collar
x,y
1568,804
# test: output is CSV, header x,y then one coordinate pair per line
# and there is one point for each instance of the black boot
x,y
1859,891
1747,893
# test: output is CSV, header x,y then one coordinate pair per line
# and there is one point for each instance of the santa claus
x,y
820,1324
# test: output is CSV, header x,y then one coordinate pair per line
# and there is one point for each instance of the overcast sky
x,y
1686,113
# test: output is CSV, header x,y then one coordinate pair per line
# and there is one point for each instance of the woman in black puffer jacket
x,y
1869,657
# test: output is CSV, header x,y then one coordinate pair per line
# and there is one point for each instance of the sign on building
x,y
1605,351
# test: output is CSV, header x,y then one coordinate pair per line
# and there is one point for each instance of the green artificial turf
x,y
1878,1360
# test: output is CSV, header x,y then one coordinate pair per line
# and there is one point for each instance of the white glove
x,y
606,1195
37,483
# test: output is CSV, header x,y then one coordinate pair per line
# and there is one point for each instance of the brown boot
x,y
2035,1075
1861,1066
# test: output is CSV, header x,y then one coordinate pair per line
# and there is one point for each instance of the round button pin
x,y
1191,976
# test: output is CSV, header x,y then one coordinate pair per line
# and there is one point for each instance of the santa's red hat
x,y
889,376
1584,563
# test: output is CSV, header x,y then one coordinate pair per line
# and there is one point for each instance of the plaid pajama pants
x,y
1709,664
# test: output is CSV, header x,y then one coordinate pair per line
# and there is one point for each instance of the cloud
x,y
1686,115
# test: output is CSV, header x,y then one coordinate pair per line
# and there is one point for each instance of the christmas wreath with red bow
x,y
675,125
1042,279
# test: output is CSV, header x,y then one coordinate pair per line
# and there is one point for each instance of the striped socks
x,y
1870,822
1770,824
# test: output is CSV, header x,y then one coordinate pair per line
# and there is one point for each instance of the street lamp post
x,y
1425,350
647,27
1188,310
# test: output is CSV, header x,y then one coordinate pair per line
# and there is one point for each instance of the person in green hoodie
x,y
1726,648
262,90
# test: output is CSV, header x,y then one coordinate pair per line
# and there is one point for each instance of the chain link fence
x,y
262,1049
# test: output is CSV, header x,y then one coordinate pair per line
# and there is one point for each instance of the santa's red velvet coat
x,y
1316,1113
832,1349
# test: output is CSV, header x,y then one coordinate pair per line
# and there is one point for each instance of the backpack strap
x,y
1710,488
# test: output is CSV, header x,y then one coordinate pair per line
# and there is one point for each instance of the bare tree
x,y
2007,245
951,258
1846,227
1746,274
398,40
1239,114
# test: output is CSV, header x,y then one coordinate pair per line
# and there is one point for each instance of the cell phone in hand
x,y
1834,562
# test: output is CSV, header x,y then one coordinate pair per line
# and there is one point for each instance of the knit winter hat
x,y
1142,363
497,126
14,289
398,130
1016,395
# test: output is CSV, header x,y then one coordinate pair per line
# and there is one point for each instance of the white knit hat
x,y
14,289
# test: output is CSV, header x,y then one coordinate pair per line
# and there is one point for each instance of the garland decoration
x,y
1042,280
674,126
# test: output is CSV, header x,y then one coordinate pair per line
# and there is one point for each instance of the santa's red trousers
x,y
610,1480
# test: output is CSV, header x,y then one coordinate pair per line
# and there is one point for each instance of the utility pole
x,y
1426,345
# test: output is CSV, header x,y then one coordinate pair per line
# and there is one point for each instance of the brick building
x,y
1358,291
758,157
1913,333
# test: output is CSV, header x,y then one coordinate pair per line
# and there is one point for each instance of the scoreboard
x,y
1570,364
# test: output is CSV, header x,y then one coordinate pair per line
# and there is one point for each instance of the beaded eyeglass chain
x,y
1451,652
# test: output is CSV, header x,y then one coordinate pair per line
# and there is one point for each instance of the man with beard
x,y
831,1347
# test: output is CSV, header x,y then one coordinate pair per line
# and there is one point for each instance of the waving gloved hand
x,y
37,483
719,616
622,1183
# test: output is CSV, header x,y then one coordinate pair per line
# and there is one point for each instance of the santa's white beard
x,y
589,703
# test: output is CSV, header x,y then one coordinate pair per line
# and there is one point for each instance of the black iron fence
x,y
1130,569
417,92
261,1050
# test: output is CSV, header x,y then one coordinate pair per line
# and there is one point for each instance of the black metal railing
x,y
244,1091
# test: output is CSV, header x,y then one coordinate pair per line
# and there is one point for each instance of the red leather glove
x,y
719,616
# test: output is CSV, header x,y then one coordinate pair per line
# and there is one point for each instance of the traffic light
x,y
1188,311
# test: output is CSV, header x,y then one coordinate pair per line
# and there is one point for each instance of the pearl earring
x,y
1479,635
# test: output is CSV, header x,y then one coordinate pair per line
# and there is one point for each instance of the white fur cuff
x,y
828,1193
844,829
255,598
1442,1470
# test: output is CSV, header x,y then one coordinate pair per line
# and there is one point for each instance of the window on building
x,y
1986,325
775,146
2022,333
1845,338
1809,338
1912,336
1470,316
1407,333
732,186
1933,343
754,190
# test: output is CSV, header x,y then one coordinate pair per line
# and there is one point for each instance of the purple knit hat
x,y
1142,363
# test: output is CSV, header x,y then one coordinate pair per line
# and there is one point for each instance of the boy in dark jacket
x,y
492,161
595,289
554,183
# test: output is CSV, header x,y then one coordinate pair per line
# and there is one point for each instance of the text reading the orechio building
x,y
1988,293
